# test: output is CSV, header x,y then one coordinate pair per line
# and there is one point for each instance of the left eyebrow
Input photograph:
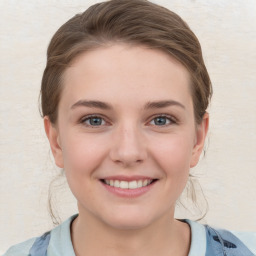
x,y
163,104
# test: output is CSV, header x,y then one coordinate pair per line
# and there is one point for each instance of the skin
x,y
129,141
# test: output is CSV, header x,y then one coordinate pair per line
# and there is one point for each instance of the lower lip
x,y
129,193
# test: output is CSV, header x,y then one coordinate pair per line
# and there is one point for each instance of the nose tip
x,y
128,148
129,158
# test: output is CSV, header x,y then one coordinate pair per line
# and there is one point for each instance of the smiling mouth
x,y
134,184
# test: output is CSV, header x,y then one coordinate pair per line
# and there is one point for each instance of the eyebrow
x,y
91,104
163,104
106,106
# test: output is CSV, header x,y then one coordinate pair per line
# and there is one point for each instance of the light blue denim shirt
x,y
205,241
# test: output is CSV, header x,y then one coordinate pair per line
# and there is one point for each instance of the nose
x,y
128,147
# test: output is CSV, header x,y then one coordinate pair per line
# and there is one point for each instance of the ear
x,y
53,137
201,132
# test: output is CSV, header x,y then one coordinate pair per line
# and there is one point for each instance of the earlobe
x,y
201,133
54,140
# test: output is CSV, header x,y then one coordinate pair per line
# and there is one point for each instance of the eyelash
x,y
86,118
171,120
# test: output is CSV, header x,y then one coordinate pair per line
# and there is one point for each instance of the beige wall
x,y
227,31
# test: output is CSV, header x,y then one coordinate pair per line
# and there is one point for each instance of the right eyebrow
x,y
91,104
163,104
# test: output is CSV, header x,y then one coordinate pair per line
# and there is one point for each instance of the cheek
x,y
82,154
174,156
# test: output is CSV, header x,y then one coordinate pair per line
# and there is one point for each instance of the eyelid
x,y
172,119
86,117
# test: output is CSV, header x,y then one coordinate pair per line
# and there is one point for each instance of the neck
x,y
165,236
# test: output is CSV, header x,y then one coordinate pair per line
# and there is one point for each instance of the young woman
x,y
124,99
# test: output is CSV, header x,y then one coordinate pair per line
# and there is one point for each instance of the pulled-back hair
x,y
135,22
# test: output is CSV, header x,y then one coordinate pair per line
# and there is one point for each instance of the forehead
x,y
126,72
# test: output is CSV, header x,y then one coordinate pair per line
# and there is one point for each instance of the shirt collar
x,y
61,244
198,239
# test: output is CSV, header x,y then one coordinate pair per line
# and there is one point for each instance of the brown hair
x,y
135,22
138,22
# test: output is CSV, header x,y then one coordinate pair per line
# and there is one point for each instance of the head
x,y
136,22
126,36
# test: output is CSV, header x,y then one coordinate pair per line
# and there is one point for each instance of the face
x,y
126,134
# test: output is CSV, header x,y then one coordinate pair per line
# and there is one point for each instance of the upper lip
x,y
128,178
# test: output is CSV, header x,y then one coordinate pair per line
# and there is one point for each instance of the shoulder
x,y
206,240
248,238
236,243
55,242
21,249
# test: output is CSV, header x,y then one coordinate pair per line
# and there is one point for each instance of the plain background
x,y
227,32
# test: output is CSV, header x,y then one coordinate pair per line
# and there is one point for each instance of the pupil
x,y
160,120
95,121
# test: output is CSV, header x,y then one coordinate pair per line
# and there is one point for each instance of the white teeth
x,y
116,183
133,184
124,184
139,183
128,184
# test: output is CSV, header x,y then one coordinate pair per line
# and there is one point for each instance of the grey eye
x,y
94,121
160,120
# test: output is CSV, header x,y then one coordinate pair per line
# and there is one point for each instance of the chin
x,y
127,220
